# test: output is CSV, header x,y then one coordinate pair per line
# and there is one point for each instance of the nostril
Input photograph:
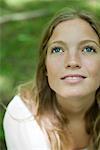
x,y
73,66
72,63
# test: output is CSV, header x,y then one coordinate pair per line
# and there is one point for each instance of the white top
x,y
21,129
22,132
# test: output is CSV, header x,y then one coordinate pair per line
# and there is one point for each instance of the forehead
x,y
74,29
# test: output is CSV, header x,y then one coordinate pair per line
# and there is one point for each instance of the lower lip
x,y
73,80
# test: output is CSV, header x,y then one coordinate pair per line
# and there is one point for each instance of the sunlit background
x,y
21,25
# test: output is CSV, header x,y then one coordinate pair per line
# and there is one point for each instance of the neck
x,y
76,108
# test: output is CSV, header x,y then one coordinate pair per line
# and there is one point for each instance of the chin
x,y
73,93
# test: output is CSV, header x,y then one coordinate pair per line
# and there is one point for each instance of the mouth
x,y
73,78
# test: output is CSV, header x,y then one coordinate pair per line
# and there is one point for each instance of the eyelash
x,y
53,50
93,50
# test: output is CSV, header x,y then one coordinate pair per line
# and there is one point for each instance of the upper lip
x,y
73,75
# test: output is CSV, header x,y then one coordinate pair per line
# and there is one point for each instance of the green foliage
x,y
20,43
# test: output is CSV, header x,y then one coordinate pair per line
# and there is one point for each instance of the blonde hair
x,y
49,113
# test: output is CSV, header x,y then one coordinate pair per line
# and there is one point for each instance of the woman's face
x,y
73,59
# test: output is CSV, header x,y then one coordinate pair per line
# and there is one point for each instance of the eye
x,y
89,49
57,50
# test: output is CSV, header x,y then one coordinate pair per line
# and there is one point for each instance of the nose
x,y
72,60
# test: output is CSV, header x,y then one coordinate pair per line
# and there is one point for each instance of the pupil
x,y
57,49
88,49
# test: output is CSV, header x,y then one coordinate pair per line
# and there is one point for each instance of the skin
x,y
74,48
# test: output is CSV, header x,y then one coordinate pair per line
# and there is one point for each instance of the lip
x,y
73,78
73,75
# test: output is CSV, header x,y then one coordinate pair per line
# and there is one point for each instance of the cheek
x,y
54,66
93,68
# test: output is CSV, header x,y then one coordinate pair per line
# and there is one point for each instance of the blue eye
x,y
57,50
89,49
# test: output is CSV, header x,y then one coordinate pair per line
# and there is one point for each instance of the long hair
x,y
50,115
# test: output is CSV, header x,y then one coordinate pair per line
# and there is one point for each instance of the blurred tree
x,y
20,40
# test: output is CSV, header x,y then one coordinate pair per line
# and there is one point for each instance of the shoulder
x,y
21,129
17,109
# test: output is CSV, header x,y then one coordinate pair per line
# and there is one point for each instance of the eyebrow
x,y
89,41
56,42
80,43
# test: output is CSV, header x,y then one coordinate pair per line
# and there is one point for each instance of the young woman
x,y
62,110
